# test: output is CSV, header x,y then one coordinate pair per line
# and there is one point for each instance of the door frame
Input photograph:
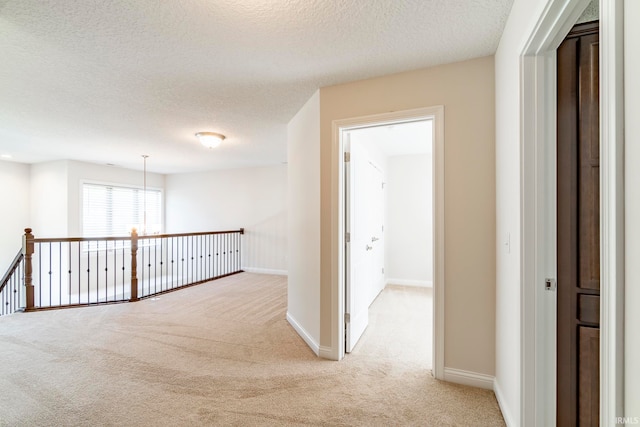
x,y
537,210
435,113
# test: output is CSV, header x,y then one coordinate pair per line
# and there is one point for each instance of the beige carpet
x,y
222,353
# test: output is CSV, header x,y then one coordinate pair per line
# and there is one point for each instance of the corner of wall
x,y
506,414
315,347
473,379
303,293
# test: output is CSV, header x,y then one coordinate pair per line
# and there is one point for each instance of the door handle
x,y
369,247
374,239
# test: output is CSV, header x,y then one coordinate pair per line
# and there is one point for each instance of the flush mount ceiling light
x,y
210,139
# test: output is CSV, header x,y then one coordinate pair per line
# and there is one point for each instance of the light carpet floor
x,y
223,353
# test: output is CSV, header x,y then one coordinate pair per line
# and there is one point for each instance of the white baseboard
x,y
405,282
506,414
265,271
304,334
327,353
473,379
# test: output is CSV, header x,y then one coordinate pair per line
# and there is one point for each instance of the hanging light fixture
x,y
210,139
144,196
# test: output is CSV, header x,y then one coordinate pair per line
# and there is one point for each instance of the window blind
x,y
111,210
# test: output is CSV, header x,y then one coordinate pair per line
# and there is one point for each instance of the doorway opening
x,y
391,226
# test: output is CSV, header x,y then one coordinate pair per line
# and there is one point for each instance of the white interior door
x,y
365,251
358,248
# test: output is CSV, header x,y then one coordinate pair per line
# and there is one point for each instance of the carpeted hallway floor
x,y
222,353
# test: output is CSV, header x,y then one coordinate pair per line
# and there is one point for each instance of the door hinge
x,y
347,237
347,157
347,318
549,284
382,270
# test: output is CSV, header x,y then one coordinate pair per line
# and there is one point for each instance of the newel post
x,y
134,265
27,251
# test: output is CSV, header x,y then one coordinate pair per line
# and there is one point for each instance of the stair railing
x,y
81,271
11,286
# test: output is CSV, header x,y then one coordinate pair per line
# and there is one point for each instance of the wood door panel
x,y
589,380
589,309
589,234
578,228
589,158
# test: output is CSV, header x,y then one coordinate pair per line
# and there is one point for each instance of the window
x,y
111,210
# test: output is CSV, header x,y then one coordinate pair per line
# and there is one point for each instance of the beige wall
x,y
466,90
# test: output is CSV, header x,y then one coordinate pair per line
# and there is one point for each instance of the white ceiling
x,y
107,81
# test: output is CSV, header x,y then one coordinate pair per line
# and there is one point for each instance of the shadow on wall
x,y
265,245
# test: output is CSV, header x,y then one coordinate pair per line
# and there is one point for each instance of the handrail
x,y
12,267
80,271
11,294
150,236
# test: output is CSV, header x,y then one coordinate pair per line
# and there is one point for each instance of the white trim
x,y
326,352
265,271
469,378
538,240
538,211
611,211
506,414
435,113
438,245
538,183
303,334
410,282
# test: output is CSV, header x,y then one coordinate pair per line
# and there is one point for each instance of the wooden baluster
x,y
27,250
134,265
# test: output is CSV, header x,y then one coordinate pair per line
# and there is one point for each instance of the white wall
x,y
632,207
409,231
303,154
376,156
14,215
524,15
49,199
251,198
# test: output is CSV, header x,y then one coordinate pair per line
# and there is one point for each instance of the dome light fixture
x,y
210,139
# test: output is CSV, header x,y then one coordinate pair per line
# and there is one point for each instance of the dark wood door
x,y
578,219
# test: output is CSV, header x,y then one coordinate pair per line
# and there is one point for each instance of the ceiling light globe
x,y
210,139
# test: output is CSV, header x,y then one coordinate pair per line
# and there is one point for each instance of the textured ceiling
x,y
106,81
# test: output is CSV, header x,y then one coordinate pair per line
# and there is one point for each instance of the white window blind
x,y
111,210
